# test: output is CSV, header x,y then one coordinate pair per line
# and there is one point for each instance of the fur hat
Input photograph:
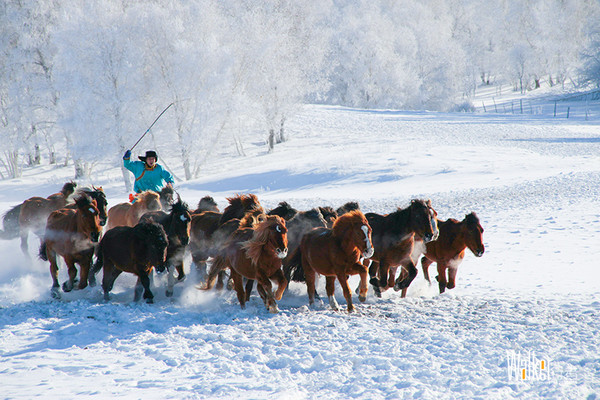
x,y
149,153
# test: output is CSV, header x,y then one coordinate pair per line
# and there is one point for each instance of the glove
x,y
127,155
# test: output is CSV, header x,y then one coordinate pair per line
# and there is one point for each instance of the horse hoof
x,y
92,282
362,299
169,293
181,278
273,309
374,282
351,310
54,292
149,301
66,287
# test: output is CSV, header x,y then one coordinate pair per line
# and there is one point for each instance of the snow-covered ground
x,y
533,181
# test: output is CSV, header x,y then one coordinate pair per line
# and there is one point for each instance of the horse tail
x,y
99,260
10,221
293,269
42,253
219,264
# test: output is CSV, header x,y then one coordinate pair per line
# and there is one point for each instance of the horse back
x,y
320,249
450,242
117,215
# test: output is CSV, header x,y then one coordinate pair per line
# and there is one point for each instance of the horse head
x,y
97,193
89,218
167,197
273,233
239,205
207,203
150,200
329,215
355,232
423,220
180,221
152,244
68,189
473,232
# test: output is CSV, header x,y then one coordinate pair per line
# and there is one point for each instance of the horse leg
x,y
346,289
249,286
55,291
330,289
363,271
310,276
84,271
441,278
144,279
425,263
263,280
405,282
238,284
170,279
451,277
282,283
382,273
109,274
24,245
70,283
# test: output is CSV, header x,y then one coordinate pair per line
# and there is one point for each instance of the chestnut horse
x,y
448,250
255,254
203,241
34,212
136,250
336,253
177,226
127,214
71,233
394,240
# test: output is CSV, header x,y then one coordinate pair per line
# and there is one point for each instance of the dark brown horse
x,y
329,215
448,250
394,240
127,214
136,250
203,241
336,253
349,206
177,226
207,203
34,212
71,233
255,254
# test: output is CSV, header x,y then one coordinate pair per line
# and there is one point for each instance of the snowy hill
x,y
533,181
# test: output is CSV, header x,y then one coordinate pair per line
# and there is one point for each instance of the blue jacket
x,y
148,178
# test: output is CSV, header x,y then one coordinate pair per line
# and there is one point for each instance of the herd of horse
x,y
255,245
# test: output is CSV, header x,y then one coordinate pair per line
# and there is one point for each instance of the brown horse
x,y
177,226
255,254
448,250
136,250
71,234
394,240
127,214
167,197
284,210
34,212
336,253
203,241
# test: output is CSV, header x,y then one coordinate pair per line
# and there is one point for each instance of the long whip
x,y
148,130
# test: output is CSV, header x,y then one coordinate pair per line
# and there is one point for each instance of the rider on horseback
x,y
148,174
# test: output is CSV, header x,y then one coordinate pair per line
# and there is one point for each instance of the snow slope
x,y
534,183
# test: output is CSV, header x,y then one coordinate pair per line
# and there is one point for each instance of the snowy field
x,y
533,181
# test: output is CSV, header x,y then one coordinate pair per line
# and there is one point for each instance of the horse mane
x,y
471,219
238,206
260,237
150,232
328,212
343,227
179,207
284,210
349,206
68,189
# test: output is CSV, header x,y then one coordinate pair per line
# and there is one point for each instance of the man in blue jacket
x,y
148,174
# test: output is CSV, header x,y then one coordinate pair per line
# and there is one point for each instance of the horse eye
x,y
92,211
278,228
